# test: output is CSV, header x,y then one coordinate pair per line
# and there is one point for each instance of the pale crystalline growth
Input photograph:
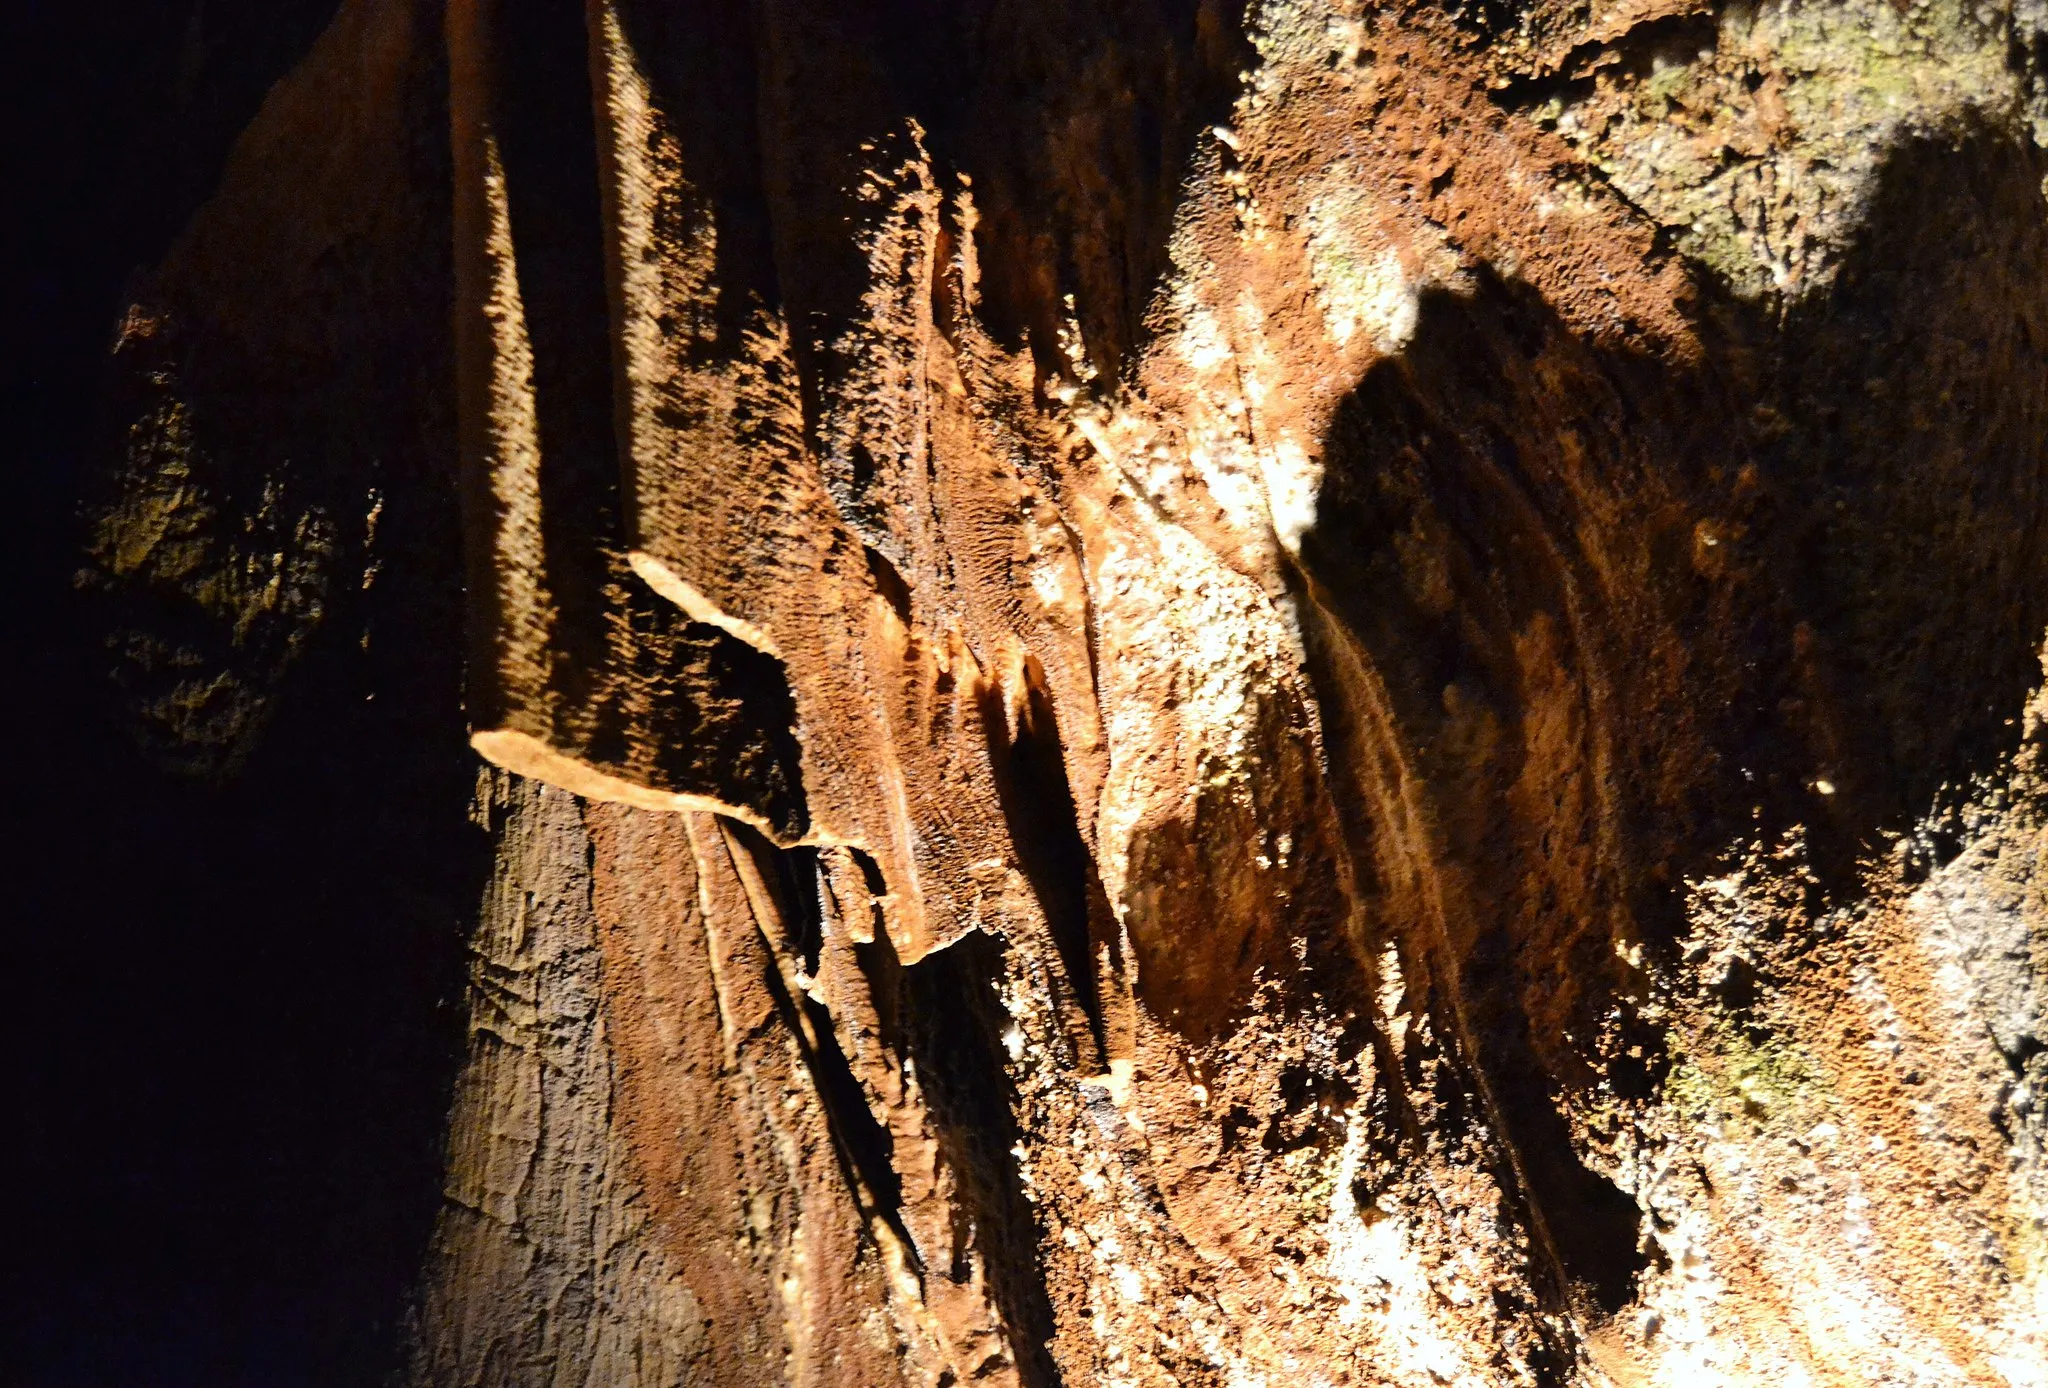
x,y
1293,480
1363,284
1155,587
1760,150
1385,1287
514,447
1977,921
1682,1328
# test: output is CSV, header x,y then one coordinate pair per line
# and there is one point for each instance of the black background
x,y
228,1011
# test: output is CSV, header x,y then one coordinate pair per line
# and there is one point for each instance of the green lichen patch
x,y
1759,152
1726,1074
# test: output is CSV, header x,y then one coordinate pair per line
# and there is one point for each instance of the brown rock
x,y
1314,696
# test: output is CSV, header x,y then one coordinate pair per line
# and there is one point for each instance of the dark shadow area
x,y
951,1021
1073,127
864,1147
540,110
699,63
235,1004
1077,122
1030,773
688,706
1615,611
634,686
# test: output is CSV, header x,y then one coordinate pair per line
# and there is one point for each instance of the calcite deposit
x,y
1176,692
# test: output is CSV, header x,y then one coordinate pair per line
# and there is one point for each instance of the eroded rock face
x,y
1184,695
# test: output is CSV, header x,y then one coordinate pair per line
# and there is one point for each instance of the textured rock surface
x,y
1304,695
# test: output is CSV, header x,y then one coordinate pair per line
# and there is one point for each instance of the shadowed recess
x,y
1620,610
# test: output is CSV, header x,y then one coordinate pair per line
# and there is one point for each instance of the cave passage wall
x,y
1174,692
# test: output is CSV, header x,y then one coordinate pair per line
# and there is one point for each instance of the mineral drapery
x,y
1303,694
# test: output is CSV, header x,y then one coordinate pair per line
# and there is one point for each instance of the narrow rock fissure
x,y
1044,824
862,1144
953,1022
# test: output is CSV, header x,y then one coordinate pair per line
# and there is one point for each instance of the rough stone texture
x,y
611,1015
278,428
1303,695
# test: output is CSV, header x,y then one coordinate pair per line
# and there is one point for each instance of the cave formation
x,y
1167,692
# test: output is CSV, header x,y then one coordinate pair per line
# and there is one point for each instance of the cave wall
x,y
1180,694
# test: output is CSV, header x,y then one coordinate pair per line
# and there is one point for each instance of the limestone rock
x,y
1289,694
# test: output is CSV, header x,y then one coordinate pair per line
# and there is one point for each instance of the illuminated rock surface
x,y
1317,696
